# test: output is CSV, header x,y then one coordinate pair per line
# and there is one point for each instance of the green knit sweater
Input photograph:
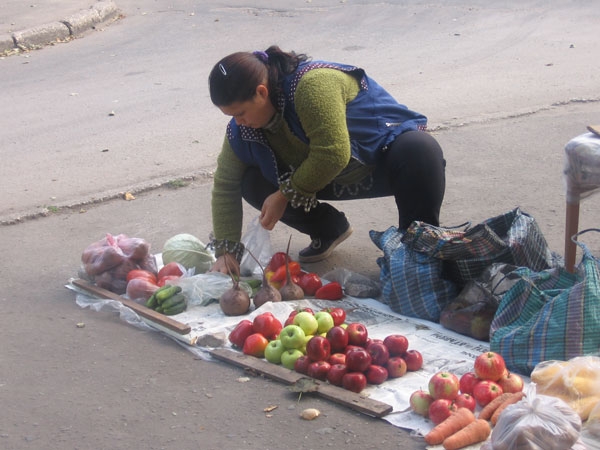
x,y
320,99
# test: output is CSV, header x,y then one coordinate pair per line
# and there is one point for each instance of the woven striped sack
x,y
549,315
411,281
511,238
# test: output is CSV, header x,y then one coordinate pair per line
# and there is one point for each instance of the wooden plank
x,y
336,394
147,313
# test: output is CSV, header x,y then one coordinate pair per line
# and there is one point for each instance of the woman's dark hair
x,y
235,77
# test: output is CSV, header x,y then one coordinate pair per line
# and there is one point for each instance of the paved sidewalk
x,y
27,26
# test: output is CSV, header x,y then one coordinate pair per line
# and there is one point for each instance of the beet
x,y
234,301
266,293
290,291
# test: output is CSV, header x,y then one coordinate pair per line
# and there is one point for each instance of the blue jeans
x,y
412,169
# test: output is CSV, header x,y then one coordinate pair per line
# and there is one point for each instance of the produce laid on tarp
x,y
457,401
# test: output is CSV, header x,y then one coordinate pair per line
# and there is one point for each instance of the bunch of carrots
x,y
462,428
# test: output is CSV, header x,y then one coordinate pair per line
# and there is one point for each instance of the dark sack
x,y
549,315
512,238
411,282
472,311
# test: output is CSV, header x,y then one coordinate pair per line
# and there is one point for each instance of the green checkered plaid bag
x,y
549,315
511,238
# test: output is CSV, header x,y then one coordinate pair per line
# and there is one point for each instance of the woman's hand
x,y
223,266
272,210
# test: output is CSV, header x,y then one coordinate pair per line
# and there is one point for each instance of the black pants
x,y
412,169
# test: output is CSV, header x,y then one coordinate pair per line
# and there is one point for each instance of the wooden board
x,y
147,313
336,394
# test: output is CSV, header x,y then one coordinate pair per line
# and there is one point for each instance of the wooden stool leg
x,y
572,224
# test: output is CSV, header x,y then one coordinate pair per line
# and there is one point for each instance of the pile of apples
x,y
323,346
447,392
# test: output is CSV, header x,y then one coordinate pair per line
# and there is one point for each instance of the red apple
x,y
318,370
414,360
440,410
511,382
420,401
485,391
301,364
354,381
444,384
489,366
318,348
358,360
371,341
268,325
351,348
465,401
396,367
357,334
241,331
379,353
467,382
336,373
376,374
338,314
290,318
337,358
338,338
255,345
396,344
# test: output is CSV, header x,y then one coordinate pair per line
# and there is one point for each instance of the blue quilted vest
x,y
374,119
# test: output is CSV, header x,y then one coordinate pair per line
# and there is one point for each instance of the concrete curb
x,y
72,26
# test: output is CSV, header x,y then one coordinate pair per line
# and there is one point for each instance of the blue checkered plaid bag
x,y
411,282
549,315
512,238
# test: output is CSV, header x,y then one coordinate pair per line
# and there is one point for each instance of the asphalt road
x,y
125,108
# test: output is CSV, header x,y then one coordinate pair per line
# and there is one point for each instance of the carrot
x,y
456,421
477,431
517,396
488,410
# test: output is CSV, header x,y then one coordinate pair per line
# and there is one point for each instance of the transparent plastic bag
x,y
538,422
257,241
576,381
204,288
354,284
590,434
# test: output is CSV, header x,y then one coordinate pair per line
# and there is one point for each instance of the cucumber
x,y
152,302
172,301
169,291
178,308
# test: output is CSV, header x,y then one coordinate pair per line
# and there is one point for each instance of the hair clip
x,y
263,56
222,69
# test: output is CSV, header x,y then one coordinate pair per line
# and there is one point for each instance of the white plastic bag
x,y
538,422
257,241
204,288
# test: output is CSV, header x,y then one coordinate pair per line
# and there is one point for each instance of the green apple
x,y
273,351
344,325
289,357
292,336
307,322
324,321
